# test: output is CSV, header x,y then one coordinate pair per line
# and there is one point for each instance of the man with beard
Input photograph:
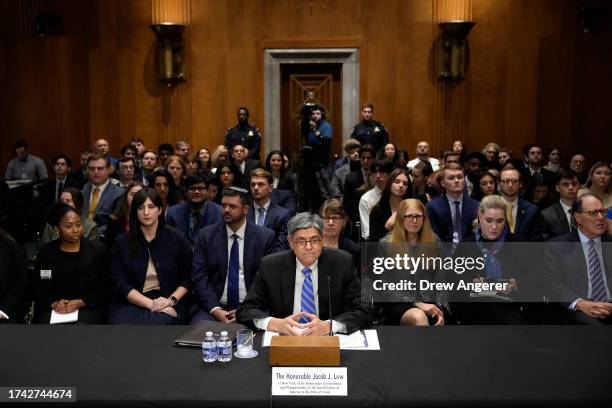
x,y
244,134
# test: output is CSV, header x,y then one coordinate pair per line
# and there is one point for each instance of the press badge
x,y
45,274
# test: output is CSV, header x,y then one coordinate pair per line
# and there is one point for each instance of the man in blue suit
x,y
226,258
523,217
197,212
101,197
451,214
263,212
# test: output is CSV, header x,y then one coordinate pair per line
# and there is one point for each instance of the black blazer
x,y
566,267
271,293
351,197
93,282
13,280
554,222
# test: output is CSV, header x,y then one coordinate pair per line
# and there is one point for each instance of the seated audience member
x,y
226,259
489,242
485,185
458,147
411,228
287,294
242,162
539,195
213,188
182,149
126,171
389,152
491,153
128,151
354,180
418,175
25,166
100,197
73,198
505,154
228,176
350,163
285,182
553,156
599,183
164,151
402,159
62,166
204,160
13,280
422,153
523,217
120,220
192,165
175,166
535,172
433,187
81,175
380,171
219,157
263,212
334,219
150,267
148,165
557,218
581,274
165,187
578,164
382,215
473,167
197,211
449,156
451,214
70,273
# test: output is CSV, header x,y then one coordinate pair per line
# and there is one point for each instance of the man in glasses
x,y
557,219
293,290
226,257
522,216
581,274
197,212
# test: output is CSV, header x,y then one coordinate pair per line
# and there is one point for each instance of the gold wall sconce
x,y
453,50
170,52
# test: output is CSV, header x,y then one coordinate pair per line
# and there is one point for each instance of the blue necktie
x,y
232,276
598,287
457,222
261,216
308,301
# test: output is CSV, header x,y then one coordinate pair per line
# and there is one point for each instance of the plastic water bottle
x,y
224,348
209,348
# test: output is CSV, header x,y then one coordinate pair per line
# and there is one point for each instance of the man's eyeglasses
x,y
315,242
197,188
413,217
510,180
594,213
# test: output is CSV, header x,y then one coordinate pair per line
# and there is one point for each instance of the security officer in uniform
x,y
244,134
370,131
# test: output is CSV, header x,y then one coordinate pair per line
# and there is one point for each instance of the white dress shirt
x,y
366,203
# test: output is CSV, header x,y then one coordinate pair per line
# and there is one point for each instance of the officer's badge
x,y
251,133
376,129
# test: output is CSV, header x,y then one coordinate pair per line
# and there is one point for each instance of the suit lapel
x,y
325,269
561,216
248,252
287,277
86,195
222,233
520,215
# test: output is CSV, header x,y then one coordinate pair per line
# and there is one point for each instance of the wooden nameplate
x,y
305,351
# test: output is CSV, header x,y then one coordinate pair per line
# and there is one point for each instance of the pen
x,y
365,339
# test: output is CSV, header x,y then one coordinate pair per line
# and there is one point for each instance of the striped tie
x,y
598,287
308,301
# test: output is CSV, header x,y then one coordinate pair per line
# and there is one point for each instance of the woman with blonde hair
x,y
412,229
599,183
218,157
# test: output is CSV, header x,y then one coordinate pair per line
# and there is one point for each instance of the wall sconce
x,y
170,58
453,50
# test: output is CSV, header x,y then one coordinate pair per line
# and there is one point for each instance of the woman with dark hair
x,y
382,215
73,198
228,176
282,179
164,185
553,156
539,194
192,165
120,220
418,175
13,280
402,159
70,272
334,219
150,267
485,185
389,152
204,160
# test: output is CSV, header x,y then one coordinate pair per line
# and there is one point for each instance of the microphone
x,y
331,319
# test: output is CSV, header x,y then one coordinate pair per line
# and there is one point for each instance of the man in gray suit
x,y
100,197
556,219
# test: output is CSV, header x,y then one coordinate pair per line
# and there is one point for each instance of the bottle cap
x,y
208,334
223,334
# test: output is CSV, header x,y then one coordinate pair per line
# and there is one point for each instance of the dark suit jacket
x,y
284,199
13,280
93,281
528,221
108,203
441,218
178,216
554,222
51,185
276,219
566,267
350,197
210,260
249,165
272,292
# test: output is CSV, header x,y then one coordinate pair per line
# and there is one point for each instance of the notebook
x,y
195,335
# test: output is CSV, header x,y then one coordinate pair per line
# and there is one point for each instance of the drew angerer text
x,y
424,284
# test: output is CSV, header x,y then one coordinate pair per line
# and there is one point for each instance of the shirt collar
x,y
102,186
257,207
565,207
584,239
451,199
240,231
299,267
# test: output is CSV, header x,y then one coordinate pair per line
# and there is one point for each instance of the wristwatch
x,y
174,300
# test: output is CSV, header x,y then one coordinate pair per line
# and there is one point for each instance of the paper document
x,y
359,340
57,318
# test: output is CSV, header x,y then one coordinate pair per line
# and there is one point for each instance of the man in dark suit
x,y
226,257
556,219
197,212
535,172
353,181
293,290
242,162
523,217
13,280
263,212
452,213
284,199
579,265
62,166
101,198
